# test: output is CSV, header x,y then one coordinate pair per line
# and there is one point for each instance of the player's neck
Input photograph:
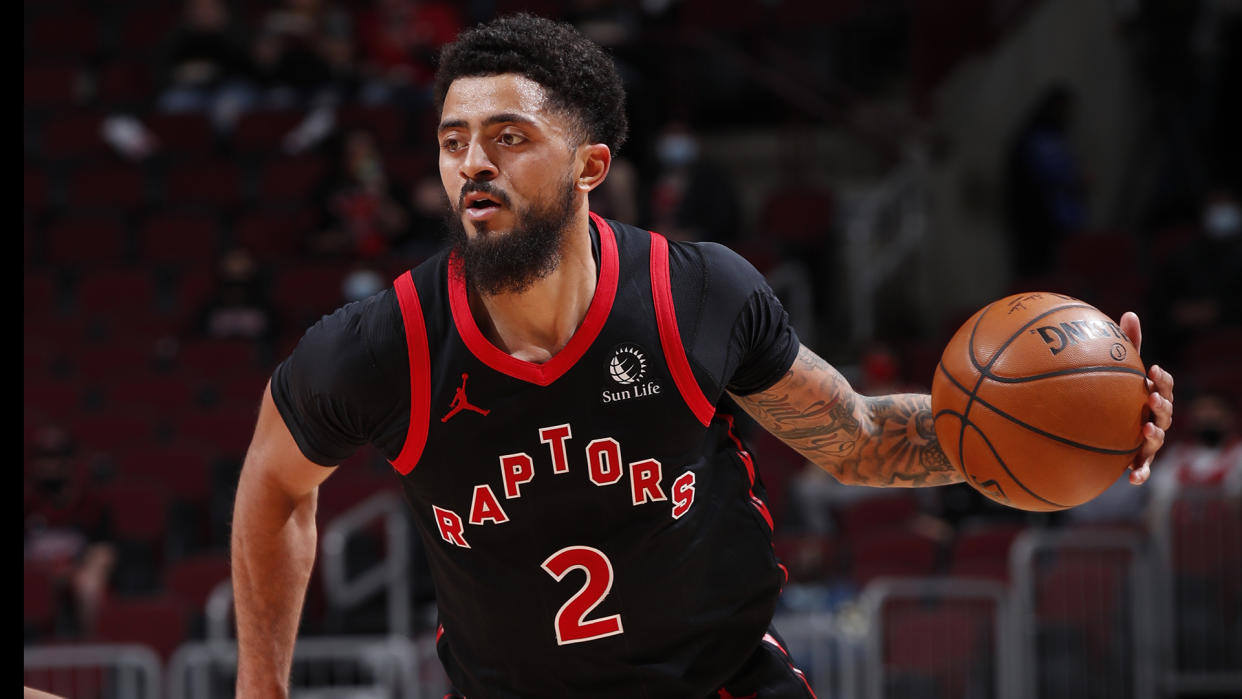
x,y
537,323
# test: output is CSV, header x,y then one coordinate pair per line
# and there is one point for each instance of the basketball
x,y
1039,401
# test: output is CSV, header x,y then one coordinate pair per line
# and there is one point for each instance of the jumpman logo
x,y
460,402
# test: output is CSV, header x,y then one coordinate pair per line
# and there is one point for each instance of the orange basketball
x,y
1039,401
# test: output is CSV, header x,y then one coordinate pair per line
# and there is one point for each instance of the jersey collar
x,y
549,371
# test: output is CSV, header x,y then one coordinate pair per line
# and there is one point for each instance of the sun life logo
x,y
628,365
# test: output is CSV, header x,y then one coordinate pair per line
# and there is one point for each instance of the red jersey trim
x,y
540,374
670,336
420,374
755,502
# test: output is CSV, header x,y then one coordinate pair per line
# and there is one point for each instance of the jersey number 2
x,y
570,624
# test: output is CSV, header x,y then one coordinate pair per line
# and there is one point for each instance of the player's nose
x,y
477,165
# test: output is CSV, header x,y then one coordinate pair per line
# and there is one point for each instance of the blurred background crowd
x,y
204,179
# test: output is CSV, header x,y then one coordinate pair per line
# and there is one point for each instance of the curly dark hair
x,y
577,75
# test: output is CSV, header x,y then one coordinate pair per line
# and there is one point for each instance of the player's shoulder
x,y
696,257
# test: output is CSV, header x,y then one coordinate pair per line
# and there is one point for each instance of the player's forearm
x,y
273,553
877,441
898,444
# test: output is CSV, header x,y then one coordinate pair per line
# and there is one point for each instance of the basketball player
x,y
593,524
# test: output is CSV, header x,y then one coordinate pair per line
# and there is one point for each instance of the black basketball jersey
x,y
593,525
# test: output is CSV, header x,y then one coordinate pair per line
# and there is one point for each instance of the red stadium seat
x,y
1084,590
386,124
179,237
273,234
34,190
183,470
291,179
891,552
38,599
877,512
148,393
85,240
309,289
944,642
124,83
191,580
207,359
983,551
262,131
50,85
798,215
144,29
108,432
116,187
137,509
116,290
77,136
224,433
159,622
67,35
182,134
209,183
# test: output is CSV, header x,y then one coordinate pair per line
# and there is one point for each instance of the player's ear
x,y
593,162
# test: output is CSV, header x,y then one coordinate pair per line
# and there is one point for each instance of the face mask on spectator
x,y
1222,221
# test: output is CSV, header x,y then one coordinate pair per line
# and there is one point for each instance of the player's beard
x,y
510,262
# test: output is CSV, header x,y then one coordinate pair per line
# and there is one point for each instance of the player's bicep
x,y
274,460
813,409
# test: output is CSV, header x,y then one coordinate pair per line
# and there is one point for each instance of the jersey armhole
x,y
420,374
670,335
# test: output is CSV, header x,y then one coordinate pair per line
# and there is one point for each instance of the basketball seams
x,y
1096,368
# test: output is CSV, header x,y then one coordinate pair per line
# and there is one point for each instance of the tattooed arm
x,y
861,440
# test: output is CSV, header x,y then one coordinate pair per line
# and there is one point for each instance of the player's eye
x,y
451,145
509,138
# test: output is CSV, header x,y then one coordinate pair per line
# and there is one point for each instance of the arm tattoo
x,y
878,441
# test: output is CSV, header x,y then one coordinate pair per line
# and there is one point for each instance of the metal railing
x,y
1198,545
1083,612
346,666
887,228
111,671
391,575
940,636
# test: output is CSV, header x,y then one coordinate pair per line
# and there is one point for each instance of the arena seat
x,y
122,84
876,512
982,551
290,180
35,188
385,124
262,130
171,236
274,234
185,134
49,85
143,30
890,552
85,239
213,183
944,642
113,187
192,579
157,620
63,35
125,295
76,136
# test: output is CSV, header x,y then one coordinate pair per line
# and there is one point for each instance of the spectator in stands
x,y
304,55
1197,289
239,307
1212,457
205,65
365,213
1045,186
399,41
693,198
426,227
65,528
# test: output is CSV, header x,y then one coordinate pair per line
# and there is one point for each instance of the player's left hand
x,y
1159,400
